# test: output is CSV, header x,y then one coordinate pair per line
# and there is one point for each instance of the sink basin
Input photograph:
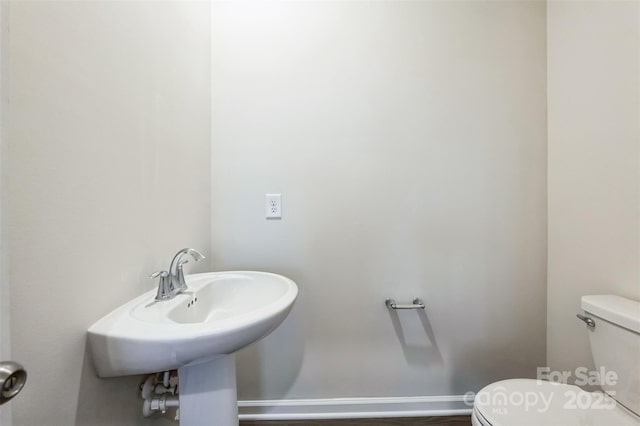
x,y
220,313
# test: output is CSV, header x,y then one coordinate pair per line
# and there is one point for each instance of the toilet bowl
x,y
529,402
613,324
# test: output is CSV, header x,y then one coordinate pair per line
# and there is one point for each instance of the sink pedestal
x,y
207,393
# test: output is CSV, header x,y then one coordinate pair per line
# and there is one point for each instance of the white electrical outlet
x,y
273,205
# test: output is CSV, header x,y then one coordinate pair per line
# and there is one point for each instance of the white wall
x,y
594,165
109,147
409,142
5,330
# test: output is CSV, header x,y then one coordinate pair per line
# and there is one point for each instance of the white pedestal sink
x,y
196,333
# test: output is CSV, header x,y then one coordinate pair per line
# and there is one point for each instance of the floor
x,y
414,421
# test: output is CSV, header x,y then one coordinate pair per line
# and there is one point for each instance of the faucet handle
x,y
162,274
164,286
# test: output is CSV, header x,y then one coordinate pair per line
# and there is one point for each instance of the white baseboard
x,y
353,408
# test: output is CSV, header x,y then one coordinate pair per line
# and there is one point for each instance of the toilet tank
x,y
615,345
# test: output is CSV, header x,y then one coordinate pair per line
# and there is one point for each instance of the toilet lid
x,y
527,402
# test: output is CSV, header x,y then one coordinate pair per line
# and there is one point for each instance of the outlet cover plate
x,y
273,206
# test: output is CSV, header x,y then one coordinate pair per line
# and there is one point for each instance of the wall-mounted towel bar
x,y
417,304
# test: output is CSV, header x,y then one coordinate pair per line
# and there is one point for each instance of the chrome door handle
x,y
13,377
589,321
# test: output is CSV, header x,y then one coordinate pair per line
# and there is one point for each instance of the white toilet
x,y
613,325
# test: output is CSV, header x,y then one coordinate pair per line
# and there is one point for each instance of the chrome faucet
x,y
176,274
172,282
